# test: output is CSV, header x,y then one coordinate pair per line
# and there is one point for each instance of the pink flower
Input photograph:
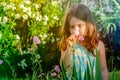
x,y
57,68
76,32
36,40
81,38
53,74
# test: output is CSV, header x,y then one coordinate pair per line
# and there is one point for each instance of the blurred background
x,y
22,20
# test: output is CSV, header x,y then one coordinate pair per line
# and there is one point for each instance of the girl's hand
x,y
71,40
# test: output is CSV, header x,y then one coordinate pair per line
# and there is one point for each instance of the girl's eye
x,y
80,26
71,27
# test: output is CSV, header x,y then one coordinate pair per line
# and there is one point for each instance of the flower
x,y
56,18
76,32
46,18
41,74
1,61
36,40
27,1
25,16
5,19
57,68
53,74
17,37
81,38
17,16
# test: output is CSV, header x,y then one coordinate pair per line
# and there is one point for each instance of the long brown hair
x,y
79,11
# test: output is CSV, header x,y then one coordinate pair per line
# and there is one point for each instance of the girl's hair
x,y
79,11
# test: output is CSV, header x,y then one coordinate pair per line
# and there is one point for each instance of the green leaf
x,y
98,67
87,73
113,75
63,72
74,68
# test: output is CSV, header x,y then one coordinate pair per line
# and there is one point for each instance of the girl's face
x,y
78,26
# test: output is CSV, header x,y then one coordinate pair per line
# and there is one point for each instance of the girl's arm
x,y
66,52
101,48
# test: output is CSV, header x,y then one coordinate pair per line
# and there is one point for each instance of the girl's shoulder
x,y
101,46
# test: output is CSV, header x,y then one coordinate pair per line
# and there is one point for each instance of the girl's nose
x,y
76,28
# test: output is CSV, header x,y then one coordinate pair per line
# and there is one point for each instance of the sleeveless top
x,y
80,61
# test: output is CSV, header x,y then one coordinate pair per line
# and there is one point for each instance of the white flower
x,y
36,5
46,18
3,3
51,34
57,39
25,16
45,22
54,3
25,9
17,16
32,15
8,7
29,13
44,42
42,38
40,35
56,18
17,37
13,8
5,19
22,6
53,40
45,36
27,1
39,18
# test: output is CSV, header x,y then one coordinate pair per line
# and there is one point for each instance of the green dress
x,y
79,61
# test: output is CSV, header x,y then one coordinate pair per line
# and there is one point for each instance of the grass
x,y
116,74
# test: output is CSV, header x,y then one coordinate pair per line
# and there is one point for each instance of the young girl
x,y
79,37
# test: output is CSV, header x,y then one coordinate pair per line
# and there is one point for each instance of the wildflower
x,y
36,5
22,64
40,75
53,74
25,16
81,38
57,68
1,61
17,37
39,18
5,19
27,2
17,16
76,32
22,6
45,23
44,42
29,13
53,40
36,40
56,18
46,18
54,3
